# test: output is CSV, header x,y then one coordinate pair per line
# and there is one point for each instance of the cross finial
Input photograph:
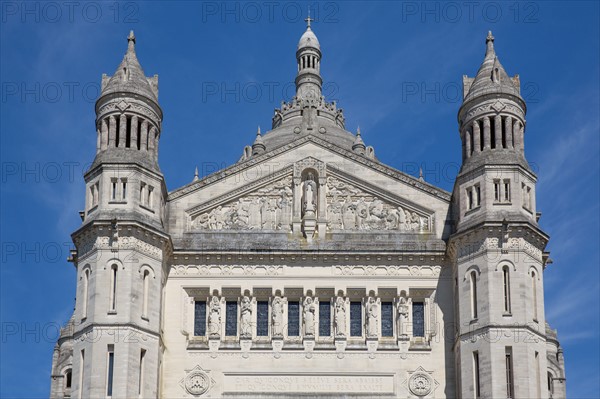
x,y
308,19
131,37
489,37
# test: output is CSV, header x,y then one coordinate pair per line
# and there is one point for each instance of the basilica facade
x,y
309,268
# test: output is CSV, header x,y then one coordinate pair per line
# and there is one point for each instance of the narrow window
x,y
478,195
534,293
476,374
86,282
113,288
141,379
110,370
550,385
510,388
92,187
493,133
231,318
68,379
355,319
81,369
506,190
128,134
537,374
117,130
199,318
149,201
145,282
528,197
262,319
506,287
324,319
497,190
418,314
473,281
470,198
387,319
114,189
123,189
293,319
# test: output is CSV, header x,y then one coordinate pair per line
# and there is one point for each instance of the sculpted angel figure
x,y
309,193
309,317
340,317
214,319
372,316
402,316
277,316
246,317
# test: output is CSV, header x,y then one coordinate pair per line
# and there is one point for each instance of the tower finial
x,y
358,131
258,131
308,19
195,174
131,37
489,41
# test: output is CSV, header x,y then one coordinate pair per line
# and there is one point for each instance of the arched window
x,y
550,385
506,288
145,283
68,378
86,284
534,293
473,282
113,288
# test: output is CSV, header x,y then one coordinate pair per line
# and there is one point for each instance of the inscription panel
x,y
309,383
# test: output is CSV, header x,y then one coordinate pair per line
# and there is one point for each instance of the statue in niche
x,y
309,194
402,317
309,317
246,318
340,317
277,316
214,318
372,317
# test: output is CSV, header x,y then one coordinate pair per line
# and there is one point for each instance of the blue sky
x,y
395,68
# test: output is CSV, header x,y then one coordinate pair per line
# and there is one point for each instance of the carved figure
x,y
214,319
340,317
309,317
309,193
402,317
277,316
246,318
372,317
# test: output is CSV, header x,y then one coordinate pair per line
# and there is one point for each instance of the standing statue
x,y
372,316
246,318
309,317
309,193
277,316
214,319
402,317
340,317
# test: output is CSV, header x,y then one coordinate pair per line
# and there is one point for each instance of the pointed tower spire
x,y
258,147
489,42
196,178
359,146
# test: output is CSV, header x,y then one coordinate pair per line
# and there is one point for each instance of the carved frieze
x,y
121,242
350,208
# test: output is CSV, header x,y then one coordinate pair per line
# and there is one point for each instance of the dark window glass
x,y
109,383
69,378
324,319
199,318
293,319
355,319
262,319
231,318
387,319
418,319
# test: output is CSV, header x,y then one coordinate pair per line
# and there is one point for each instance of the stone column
x,y
151,140
112,131
498,130
487,133
296,216
476,137
518,136
322,207
144,136
122,130
133,143
508,130
104,133
98,136
467,143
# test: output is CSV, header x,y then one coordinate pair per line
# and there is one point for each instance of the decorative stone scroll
x,y
268,208
349,208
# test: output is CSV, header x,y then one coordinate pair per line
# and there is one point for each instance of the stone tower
x,y
121,245
497,247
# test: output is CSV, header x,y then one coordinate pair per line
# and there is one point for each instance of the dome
x,y
309,39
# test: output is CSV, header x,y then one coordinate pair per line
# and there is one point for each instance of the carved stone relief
x,y
349,208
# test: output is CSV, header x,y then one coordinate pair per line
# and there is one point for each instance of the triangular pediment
x,y
274,203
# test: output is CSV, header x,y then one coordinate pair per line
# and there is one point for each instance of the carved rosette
x,y
421,383
197,382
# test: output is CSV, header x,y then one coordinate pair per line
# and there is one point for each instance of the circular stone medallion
x,y
197,382
420,384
